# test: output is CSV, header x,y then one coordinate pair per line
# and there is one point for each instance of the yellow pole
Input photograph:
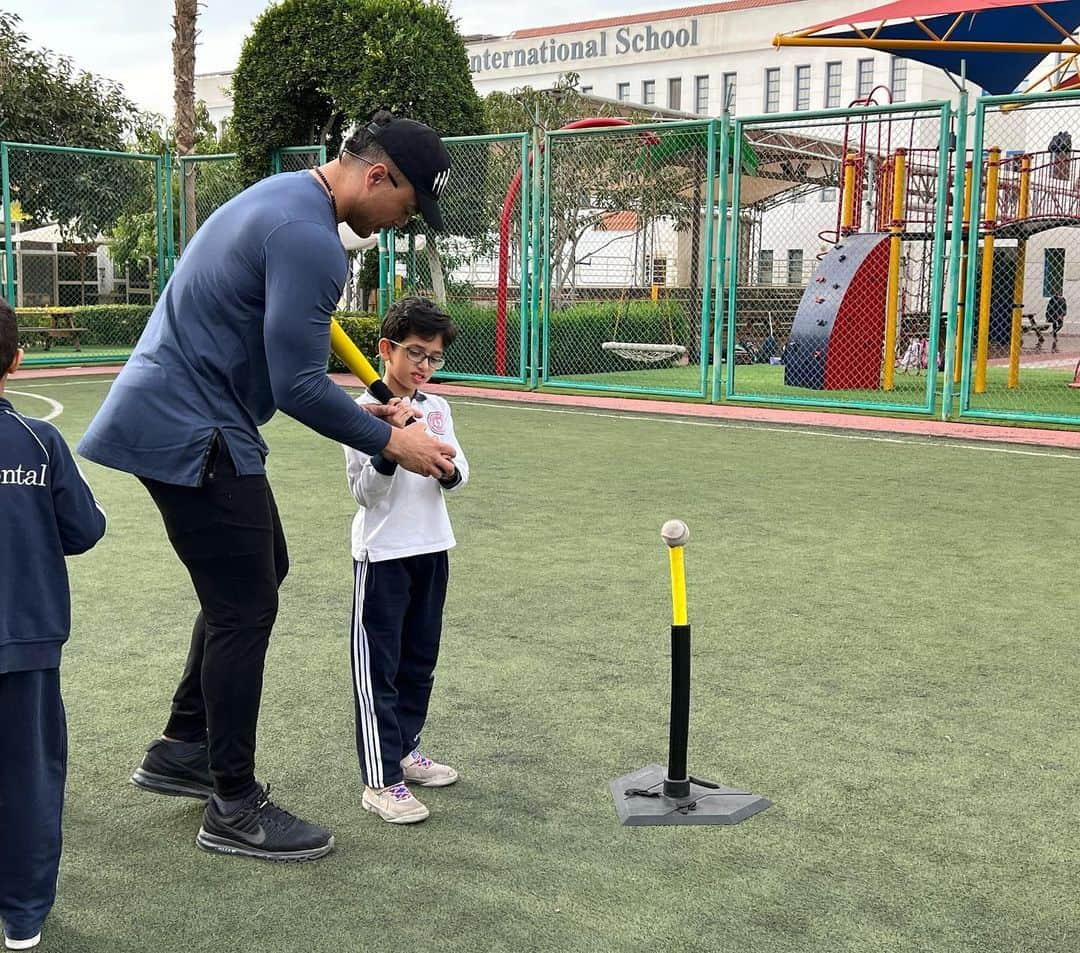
x,y
1018,283
892,294
987,278
678,586
847,208
655,293
965,243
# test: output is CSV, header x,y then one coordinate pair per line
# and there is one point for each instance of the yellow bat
x,y
351,356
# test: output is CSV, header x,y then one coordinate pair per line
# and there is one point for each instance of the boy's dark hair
x,y
362,143
418,316
9,336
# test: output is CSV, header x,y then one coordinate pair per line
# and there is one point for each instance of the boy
x,y
47,512
400,538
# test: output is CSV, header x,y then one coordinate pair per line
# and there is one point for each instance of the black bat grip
x,y
384,395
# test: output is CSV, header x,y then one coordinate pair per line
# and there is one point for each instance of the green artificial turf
x,y
884,645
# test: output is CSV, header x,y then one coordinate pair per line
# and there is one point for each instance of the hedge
x,y
576,335
107,325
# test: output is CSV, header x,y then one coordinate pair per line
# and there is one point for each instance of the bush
x,y
363,331
107,325
575,337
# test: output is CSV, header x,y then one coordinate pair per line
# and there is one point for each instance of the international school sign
x,y
555,52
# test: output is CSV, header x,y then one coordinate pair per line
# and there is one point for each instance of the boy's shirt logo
x,y
435,423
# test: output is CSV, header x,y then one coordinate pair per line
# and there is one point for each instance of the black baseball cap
x,y
422,158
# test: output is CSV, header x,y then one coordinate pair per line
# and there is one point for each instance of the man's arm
x,y
301,294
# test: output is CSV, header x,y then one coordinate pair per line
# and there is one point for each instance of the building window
x,y
829,194
898,80
866,78
772,90
648,92
622,92
1053,271
728,87
765,266
674,93
832,85
586,89
794,266
701,95
657,270
802,87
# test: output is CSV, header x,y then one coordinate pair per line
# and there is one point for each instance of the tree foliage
x,y
134,235
311,68
45,99
594,175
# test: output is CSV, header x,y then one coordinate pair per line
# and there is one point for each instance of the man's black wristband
x,y
383,466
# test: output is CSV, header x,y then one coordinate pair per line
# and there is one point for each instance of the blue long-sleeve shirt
x,y
242,330
47,512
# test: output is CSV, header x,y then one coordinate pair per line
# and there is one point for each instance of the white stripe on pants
x,y
361,666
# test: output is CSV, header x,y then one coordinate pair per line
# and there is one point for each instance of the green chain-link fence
x,y
838,257
629,257
1020,320
477,268
83,249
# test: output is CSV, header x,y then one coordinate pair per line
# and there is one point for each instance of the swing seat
x,y
644,353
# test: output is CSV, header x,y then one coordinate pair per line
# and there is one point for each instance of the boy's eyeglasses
x,y
418,355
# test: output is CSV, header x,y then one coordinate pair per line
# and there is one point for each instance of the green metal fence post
x,y
545,287
961,114
159,218
970,319
525,203
937,277
170,233
383,261
732,271
9,255
536,228
720,278
391,266
710,263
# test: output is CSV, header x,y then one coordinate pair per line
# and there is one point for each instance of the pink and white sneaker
x,y
425,772
394,803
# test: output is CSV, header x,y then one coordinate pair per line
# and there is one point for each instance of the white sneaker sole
x,y
413,817
432,782
22,944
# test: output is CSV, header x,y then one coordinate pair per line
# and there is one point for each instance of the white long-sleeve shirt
x,y
403,514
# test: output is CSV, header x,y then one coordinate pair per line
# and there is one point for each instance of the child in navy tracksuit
x,y
400,538
47,512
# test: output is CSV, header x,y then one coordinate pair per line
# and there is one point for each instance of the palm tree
x,y
183,50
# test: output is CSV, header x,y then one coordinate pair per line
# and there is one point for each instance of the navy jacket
x,y
242,330
47,512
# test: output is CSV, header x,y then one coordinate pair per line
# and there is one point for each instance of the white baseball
x,y
675,533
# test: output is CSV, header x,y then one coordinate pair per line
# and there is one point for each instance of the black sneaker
x,y
262,829
176,768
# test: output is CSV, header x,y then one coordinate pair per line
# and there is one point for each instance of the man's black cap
x,y
422,158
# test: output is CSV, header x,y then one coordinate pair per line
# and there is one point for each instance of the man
x,y
242,330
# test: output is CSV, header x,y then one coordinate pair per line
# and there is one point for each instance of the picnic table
x,y
61,327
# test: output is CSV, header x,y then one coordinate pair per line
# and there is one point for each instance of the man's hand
x,y
397,413
416,450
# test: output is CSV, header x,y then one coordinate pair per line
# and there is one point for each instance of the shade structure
x,y
996,43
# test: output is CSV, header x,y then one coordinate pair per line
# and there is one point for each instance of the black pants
x,y
228,536
33,768
396,629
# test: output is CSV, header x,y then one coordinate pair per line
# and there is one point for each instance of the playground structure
x,y
868,305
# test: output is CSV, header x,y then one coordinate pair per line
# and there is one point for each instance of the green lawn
x,y
884,645
1041,390
65,355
